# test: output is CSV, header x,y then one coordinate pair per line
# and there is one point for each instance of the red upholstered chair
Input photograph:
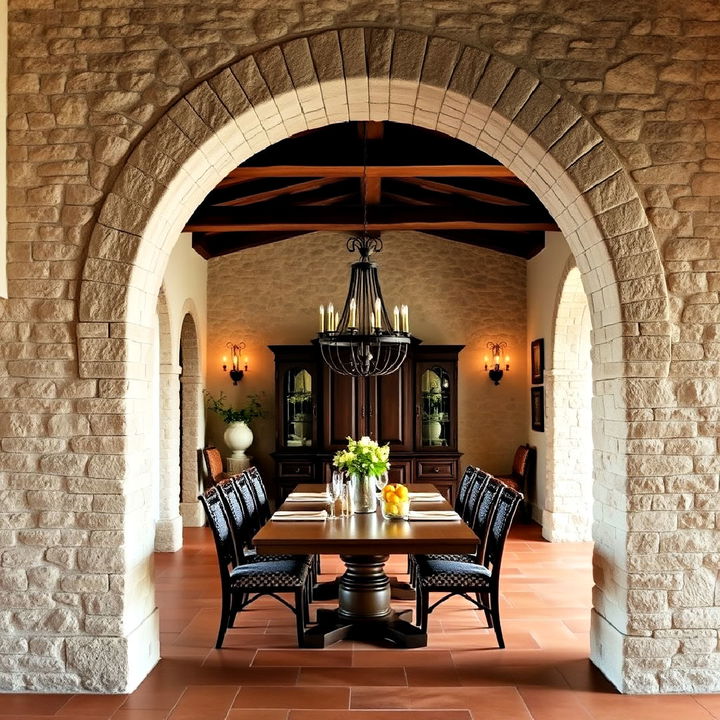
x,y
522,475
213,467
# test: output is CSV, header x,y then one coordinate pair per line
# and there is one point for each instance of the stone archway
x,y
191,414
384,74
567,515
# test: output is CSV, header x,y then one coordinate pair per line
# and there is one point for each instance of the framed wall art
x,y
537,409
537,361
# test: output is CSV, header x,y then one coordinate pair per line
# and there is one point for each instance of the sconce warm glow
x,y
236,373
496,372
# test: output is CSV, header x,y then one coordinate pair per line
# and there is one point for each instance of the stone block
x,y
101,662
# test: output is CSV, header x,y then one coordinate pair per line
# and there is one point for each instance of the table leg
x,y
364,610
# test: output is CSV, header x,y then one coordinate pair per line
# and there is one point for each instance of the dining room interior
x,y
188,221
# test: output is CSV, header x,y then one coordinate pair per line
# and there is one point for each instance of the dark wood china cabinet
x,y
413,409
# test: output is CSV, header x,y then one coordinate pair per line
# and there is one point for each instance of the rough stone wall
x,y
88,81
457,294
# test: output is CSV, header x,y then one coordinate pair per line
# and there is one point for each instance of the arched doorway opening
x,y
462,91
190,422
567,515
168,529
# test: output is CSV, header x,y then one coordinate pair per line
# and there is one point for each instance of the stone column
x,y
168,531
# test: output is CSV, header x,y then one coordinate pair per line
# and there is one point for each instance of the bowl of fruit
x,y
395,501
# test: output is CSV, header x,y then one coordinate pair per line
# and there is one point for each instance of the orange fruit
x,y
402,492
392,509
392,499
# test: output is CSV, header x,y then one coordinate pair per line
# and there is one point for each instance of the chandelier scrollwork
x,y
363,340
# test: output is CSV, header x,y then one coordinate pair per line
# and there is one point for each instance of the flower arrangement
x,y
251,410
363,457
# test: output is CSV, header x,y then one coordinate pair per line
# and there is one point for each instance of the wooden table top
x,y
365,534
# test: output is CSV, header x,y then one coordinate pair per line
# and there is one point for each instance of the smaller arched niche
x,y
567,515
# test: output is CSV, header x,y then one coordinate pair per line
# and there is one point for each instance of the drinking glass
x,y
335,488
381,481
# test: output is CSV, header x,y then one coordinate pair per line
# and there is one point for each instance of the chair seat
x,y
463,558
440,574
278,574
510,481
251,556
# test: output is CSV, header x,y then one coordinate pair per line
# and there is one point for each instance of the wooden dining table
x,y
364,542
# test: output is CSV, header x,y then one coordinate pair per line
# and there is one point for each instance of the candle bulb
x,y
405,321
353,308
235,362
322,318
336,321
372,321
331,316
396,319
378,313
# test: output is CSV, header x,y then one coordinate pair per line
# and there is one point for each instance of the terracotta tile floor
x,y
543,673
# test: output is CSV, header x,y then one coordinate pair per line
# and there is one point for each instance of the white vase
x,y
238,437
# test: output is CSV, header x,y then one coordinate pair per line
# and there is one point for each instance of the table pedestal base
x,y
364,611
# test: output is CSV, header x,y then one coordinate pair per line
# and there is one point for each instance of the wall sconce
x,y
236,374
495,371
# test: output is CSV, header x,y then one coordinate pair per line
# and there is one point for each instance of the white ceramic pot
x,y
238,437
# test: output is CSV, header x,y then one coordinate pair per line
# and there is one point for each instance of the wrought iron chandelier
x,y
362,340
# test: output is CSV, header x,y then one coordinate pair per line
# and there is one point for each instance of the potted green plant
x,y
238,436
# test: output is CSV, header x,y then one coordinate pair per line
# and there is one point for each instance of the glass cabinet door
x,y
298,408
436,407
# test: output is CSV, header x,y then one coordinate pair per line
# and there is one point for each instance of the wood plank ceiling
x,y
378,175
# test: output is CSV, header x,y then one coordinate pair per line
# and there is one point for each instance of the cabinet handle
x,y
417,411
436,469
362,411
297,470
314,409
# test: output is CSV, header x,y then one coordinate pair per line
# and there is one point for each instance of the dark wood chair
x,y
262,505
522,476
213,467
241,524
244,583
254,480
463,488
483,493
477,582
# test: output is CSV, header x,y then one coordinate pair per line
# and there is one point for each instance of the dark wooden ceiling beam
x,y
383,217
248,172
234,198
522,244
500,195
210,245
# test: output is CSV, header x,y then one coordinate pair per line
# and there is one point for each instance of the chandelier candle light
x,y
362,341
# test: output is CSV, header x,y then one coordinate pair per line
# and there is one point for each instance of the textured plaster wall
x,y
457,294
185,285
544,280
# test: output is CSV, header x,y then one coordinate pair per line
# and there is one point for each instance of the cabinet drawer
x,y
428,469
300,469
